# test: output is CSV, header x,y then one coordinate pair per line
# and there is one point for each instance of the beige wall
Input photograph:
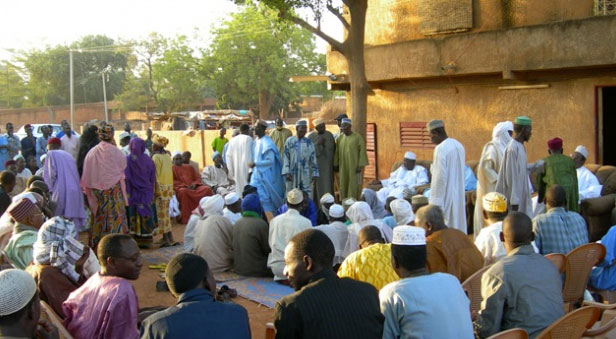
x,y
566,109
398,20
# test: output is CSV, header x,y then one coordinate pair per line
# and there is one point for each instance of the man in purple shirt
x,y
106,305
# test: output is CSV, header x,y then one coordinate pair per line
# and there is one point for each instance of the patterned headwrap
x,y
56,246
160,140
105,133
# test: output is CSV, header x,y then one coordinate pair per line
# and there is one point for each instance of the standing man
x,y
219,142
28,143
127,130
324,147
266,170
4,151
349,160
14,143
299,160
513,175
447,189
148,141
489,165
41,144
559,169
239,155
70,141
338,120
280,135
588,184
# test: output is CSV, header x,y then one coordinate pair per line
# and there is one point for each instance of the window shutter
x,y
415,135
371,171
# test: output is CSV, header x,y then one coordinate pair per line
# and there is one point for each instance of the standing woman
x,y
103,183
163,191
140,181
88,140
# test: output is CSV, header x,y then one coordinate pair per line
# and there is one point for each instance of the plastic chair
x,y
559,260
580,262
472,288
47,313
608,320
572,325
514,333
270,332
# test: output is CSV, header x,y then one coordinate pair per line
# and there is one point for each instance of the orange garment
x,y
184,176
451,251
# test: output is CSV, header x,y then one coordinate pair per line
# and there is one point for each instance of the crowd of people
x,y
381,260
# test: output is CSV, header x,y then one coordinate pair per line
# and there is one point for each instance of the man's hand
x,y
289,177
251,164
46,330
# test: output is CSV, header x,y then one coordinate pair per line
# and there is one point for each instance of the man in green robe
x,y
559,169
325,146
349,160
280,135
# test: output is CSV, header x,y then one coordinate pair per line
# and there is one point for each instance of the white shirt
x,y
338,233
402,178
239,155
588,185
232,217
26,174
282,229
70,145
447,188
488,242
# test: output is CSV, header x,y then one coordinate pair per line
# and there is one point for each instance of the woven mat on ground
x,y
261,290
162,255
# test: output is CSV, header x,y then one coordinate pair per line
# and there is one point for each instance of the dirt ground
x,y
145,286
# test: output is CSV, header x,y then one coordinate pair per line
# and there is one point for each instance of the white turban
x,y
231,198
500,135
214,205
582,150
327,198
410,156
402,211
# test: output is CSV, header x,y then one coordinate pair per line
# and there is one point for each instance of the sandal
x,y
165,244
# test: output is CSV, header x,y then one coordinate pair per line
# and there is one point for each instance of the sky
x,y
34,24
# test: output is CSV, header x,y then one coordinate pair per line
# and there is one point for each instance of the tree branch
x,y
336,45
337,14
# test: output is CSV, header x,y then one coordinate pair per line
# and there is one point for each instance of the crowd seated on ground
x,y
364,265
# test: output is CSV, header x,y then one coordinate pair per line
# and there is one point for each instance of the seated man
x,y
403,212
418,201
20,308
588,184
488,241
106,305
7,182
217,176
558,231
250,240
323,306
27,218
283,228
603,276
20,182
422,304
233,207
308,210
407,175
523,289
188,187
449,250
186,159
196,313
61,263
371,263
214,236
323,214
337,231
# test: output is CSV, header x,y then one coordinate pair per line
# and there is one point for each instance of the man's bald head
x,y
369,235
517,231
556,196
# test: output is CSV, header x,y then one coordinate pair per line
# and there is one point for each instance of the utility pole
x,y
70,63
105,96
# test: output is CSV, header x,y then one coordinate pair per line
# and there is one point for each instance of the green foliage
x,y
13,90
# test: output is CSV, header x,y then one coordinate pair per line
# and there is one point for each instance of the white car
x,y
36,130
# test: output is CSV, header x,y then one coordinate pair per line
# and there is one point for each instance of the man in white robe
x,y
588,184
239,155
487,170
336,230
513,180
447,188
233,207
408,175
216,176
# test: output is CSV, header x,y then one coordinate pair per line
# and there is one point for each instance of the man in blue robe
x,y
267,170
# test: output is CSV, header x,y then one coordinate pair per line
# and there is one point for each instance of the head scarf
x,y
360,212
251,203
61,176
500,135
376,205
140,178
159,140
103,167
214,206
361,216
105,133
56,246
402,211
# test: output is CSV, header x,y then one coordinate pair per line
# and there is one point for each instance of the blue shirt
x,y
603,276
559,231
310,212
198,315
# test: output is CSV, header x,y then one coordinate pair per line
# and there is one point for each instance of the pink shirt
x,y
103,307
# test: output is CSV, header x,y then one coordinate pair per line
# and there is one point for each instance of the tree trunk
x,y
265,104
354,54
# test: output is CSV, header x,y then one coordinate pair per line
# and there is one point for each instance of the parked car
x,y
36,130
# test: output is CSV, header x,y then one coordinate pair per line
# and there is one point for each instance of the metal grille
x,y
605,7
415,135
